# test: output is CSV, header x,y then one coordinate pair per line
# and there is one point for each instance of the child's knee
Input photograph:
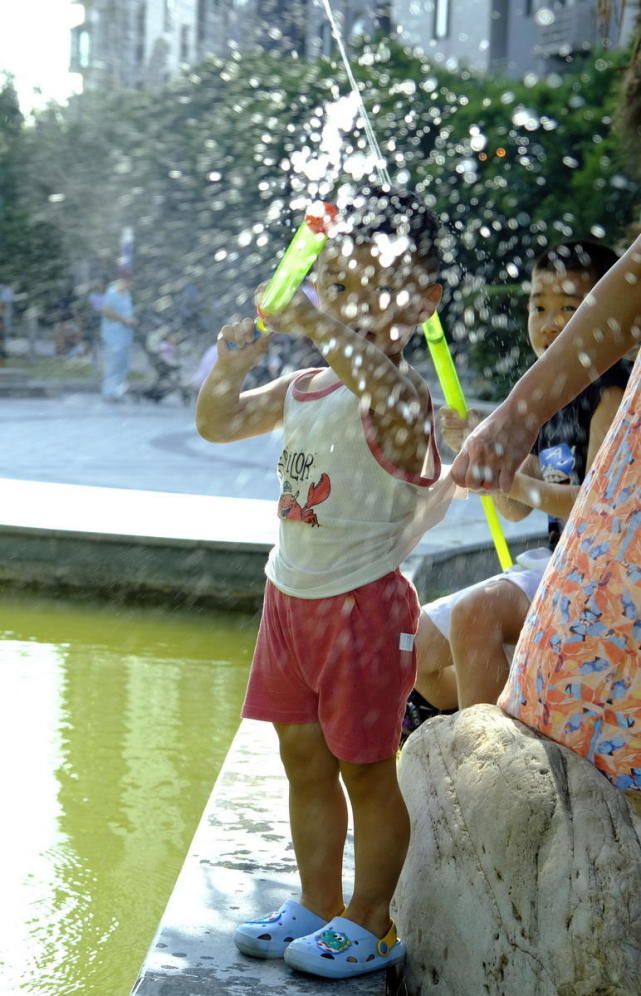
x,y
369,779
477,612
304,752
468,615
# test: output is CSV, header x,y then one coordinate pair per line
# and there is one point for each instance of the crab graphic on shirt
x,y
290,508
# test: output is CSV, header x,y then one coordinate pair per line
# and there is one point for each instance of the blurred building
x,y
145,43
141,43
513,37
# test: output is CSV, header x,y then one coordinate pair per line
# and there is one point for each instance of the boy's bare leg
x,y
381,839
481,624
317,814
435,677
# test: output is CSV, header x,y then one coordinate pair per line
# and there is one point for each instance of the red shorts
x,y
346,662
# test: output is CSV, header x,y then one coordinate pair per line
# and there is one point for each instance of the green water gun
x,y
297,261
454,398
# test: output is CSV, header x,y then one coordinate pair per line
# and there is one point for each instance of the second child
x,y
465,640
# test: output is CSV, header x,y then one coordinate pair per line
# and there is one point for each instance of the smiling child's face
x,y
554,298
382,299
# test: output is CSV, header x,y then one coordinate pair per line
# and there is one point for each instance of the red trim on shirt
x,y
312,395
391,468
370,435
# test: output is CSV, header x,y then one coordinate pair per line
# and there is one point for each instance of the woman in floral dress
x,y
576,673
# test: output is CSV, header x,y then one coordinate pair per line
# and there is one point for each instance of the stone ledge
x,y
180,549
135,545
240,864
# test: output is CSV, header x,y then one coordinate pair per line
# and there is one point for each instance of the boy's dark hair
x,y
580,256
375,209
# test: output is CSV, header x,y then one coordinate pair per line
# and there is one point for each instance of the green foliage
x,y
510,167
30,251
210,173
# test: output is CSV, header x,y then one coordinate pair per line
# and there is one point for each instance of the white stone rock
x,y
523,876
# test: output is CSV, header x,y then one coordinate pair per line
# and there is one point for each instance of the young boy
x,y
334,659
464,639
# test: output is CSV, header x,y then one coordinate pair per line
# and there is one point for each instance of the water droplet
x,y
544,17
525,118
620,182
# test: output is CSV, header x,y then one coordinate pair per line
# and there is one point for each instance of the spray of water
x,y
379,160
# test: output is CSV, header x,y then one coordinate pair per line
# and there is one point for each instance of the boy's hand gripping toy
x,y
454,397
304,248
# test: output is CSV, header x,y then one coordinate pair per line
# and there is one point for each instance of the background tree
x,y
30,256
213,173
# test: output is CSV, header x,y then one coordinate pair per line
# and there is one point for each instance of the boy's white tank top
x,y
347,514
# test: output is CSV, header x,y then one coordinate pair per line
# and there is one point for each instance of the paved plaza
x,y
79,439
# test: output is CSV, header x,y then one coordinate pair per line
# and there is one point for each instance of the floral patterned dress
x,y
576,672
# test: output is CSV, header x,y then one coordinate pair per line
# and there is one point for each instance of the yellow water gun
x,y
454,398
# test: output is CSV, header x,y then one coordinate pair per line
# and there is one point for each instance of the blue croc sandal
x,y
269,935
343,949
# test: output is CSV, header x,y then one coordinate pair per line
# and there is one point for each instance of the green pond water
x,y
113,726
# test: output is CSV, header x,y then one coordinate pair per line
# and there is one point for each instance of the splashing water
x,y
379,160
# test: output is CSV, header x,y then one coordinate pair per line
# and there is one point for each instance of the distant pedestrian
x,y
116,332
6,319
